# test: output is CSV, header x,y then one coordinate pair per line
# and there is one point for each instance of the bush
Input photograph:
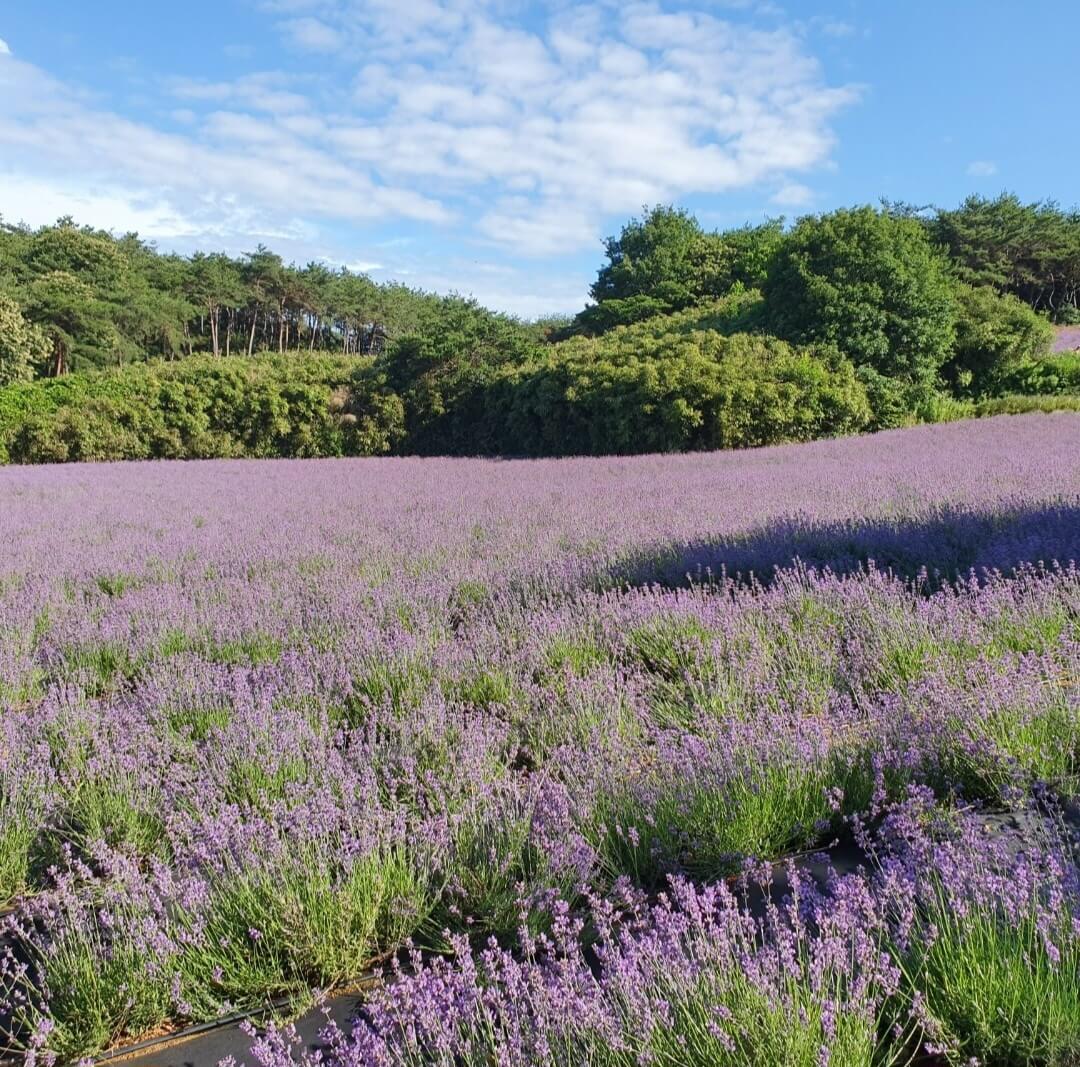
x,y
1050,375
1020,405
646,390
203,407
22,345
995,335
443,373
664,262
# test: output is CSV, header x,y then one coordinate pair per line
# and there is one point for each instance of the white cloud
x,y
260,92
5,50
41,202
523,292
599,112
532,136
359,266
311,34
982,168
831,27
235,172
793,195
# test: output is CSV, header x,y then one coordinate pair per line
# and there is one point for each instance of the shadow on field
x,y
950,544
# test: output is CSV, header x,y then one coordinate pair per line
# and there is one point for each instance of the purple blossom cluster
x,y
266,725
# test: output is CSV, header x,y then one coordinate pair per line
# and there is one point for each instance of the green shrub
x,y
870,283
1020,405
306,923
996,334
993,990
22,345
650,388
98,984
1051,375
203,407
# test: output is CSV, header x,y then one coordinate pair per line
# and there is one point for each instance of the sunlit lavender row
x,y
527,736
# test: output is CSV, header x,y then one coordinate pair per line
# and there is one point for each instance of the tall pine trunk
x,y
214,330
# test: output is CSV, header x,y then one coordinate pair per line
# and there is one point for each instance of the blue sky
x,y
487,146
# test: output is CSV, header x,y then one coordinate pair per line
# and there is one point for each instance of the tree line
x,y
89,300
856,319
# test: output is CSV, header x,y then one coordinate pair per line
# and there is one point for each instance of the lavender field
x,y
547,744
1066,339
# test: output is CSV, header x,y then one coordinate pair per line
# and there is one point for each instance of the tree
x,y
22,345
995,334
316,281
443,374
77,323
1029,250
665,386
650,264
871,284
264,278
664,262
93,256
213,283
735,258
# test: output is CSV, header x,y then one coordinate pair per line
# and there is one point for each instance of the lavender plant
x,y
263,723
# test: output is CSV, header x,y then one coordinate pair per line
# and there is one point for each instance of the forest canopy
x,y
857,318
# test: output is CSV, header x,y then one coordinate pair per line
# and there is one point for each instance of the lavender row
x,y
955,947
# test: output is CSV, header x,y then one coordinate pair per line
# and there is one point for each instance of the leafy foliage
x,y
444,370
1029,250
1053,375
871,284
673,384
995,335
857,319
105,301
664,262
276,406
22,345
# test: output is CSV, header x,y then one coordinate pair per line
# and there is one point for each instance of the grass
x,y
725,1021
256,782
399,683
497,878
249,649
198,723
708,828
992,991
103,667
116,585
1019,739
98,989
102,810
482,687
579,654
18,836
1020,405
302,924
306,924
1015,747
